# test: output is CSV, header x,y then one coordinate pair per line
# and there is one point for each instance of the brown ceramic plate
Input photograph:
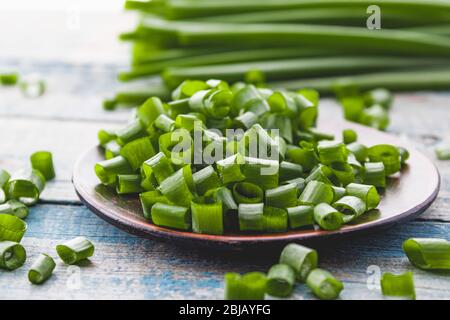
x,y
406,197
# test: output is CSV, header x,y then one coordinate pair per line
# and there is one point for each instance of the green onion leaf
x,y
324,285
250,286
172,216
428,253
75,250
15,208
12,255
327,217
401,285
43,162
304,156
301,259
280,280
41,269
344,172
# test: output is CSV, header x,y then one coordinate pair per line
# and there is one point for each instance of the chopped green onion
x,y
128,183
159,165
12,228
280,280
246,120
404,154
108,170
177,146
344,172
112,150
9,79
320,173
443,153
275,219
15,208
230,169
283,196
246,192
4,177
375,116
12,255
316,192
148,199
338,192
367,193
349,136
374,174
32,86
300,216
132,131
261,172
359,151
26,186
172,216
331,151
43,162
379,96
327,217
352,207
250,286
164,123
75,250
150,110
304,156
177,187
207,217
104,137
428,253
324,285
387,154
289,170
206,179
137,151
299,182
251,216
41,269
401,285
301,259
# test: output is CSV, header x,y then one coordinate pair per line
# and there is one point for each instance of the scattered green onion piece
x,y
172,216
108,170
177,188
401,285
387,154
374,174
301,259
261,172
148,199
251,217
352,207
300,216
105,137
187,121
112,149
428,253
9,79
246,192
137,151
280,280
443,153
224,195
110,104
359,151
132,131
353,107
299,182
404,154
207,217
250,286
275,219
206,179
367,193
289,170
15,208
375,116
41,269
128,183
338,192
164,123
159,165
230,169
344,172
349,136
378,96
150,110
283,196
331,151
12,228
324,285
26,186
32,86
43,162
316,192
327,217
12,255
75,250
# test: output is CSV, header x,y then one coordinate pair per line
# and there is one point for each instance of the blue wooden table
x,y
80,67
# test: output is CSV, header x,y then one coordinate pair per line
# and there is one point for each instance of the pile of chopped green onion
x,y
259,179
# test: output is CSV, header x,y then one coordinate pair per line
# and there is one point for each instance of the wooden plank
x,y
126,267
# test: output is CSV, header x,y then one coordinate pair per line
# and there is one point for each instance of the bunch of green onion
x,y
295,43
298,178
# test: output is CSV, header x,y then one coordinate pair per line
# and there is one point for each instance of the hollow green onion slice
x,y
230,169
283,196
349,136
359,150
275,219
374,174
128,183
177,188
26,186
250,286
404,154
246,192
289,170
324,285
327,217
316,192
164,123
261,172
206,179
301,259
75,250
150,110
388,155
352,207
207,217
43,162
12,255
15,208
280,280
443,153
41,269
338,192
251,216
148,199
137,151
108,170
172,216
428,253
112,149
12,228
331,151
299,182
343,172
132,131
158,165
300,216
367,193
401,285
378,96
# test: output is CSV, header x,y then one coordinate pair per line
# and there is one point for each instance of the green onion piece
x,y
352,207
108,170
12,228
359,151
41,269
43,162
75,250
299,182
387,154
281,102
443,153
187,89
4,177
32,86
164,123
327,217
344,172
150,110
246,192
177,146
230,169
401,285
207,217
26,186
258,106
9,79
132,131
159,165
128,183
275,219
280,280
338,193
283,196
374,174
105,137
172,216
404,154
378,96
304,156
206,179
2,196
316,192
246,120
289,170
262,172
375,116
15,208
177,188
229,206
324,285
349,136
148,199
301,259
320,173
331,151
367,193
12,255
137,151
110,104
112,149
353,107
250,286
251,217
188,121
300,216
428,253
